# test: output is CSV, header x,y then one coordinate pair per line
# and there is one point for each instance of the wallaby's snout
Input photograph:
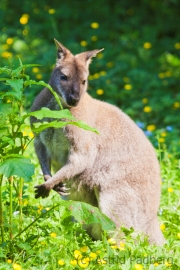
x,y
74,96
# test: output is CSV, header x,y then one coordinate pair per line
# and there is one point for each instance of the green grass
x,y
53,241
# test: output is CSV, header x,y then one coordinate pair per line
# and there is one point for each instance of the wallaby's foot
x,y
41,191
61,189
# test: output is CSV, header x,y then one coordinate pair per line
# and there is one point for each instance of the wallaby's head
x,y
70,75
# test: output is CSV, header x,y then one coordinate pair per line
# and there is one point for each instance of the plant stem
x,y
1,210
10,206
20,202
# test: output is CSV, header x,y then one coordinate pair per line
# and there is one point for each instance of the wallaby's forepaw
x,y
61,189
41,191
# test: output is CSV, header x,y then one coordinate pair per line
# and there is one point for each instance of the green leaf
x,y
47,113
16,84
3,131
5,70
16,95
38,127
5,109
87,214
4,79
17,72
17,165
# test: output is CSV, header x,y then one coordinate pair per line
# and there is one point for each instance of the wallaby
x,y
116,170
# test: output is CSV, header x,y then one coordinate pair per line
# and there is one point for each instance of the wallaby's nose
x,y
73,99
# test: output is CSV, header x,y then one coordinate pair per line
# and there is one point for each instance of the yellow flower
x,y
83,263
35,70
147,109
176,104
39,76
94,38
112,241
178,235
167,264
6,54
9,41
110,64
103,73
24,19
60,262
156,264
147,45
122,244
92,255
114,246
25,133
84,249
138,266
17,266
100,55
73,262
127,86
90,77
98,251
163,134
126,79
31,134
25,32
40,207
168,73
77,254
162,227
177,46
101,261
51,11
100,92
161,75
170,189
94,25
144,100
96,76
151,127
53,234
25,202
161,140
9,261
83,43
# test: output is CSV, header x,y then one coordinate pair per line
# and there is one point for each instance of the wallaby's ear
x,y
87,56
61,50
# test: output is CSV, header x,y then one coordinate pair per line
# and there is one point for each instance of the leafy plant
x,y
15,166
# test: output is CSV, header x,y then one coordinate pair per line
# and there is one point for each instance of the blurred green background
x,y
139,70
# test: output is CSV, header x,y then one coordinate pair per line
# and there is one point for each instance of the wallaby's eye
x,y
83,82
63,77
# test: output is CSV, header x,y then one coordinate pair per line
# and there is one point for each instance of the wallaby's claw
x,y
61,189
41,191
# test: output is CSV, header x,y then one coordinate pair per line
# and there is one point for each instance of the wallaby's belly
x,y
57,146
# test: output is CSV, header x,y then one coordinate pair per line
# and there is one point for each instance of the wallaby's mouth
x,y
72,100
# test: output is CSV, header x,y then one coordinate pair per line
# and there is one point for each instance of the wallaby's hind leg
x,y
126,209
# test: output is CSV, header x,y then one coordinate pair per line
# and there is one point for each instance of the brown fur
x,y
117,170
